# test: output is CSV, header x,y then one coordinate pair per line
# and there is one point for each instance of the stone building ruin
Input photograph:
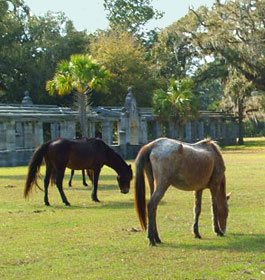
x,y
25,126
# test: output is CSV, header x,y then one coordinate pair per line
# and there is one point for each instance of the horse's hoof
x,y
152,243
47,204
198,236
94,198
85,184
67,204
158,240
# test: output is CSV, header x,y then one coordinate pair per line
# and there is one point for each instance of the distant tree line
x,y
217,54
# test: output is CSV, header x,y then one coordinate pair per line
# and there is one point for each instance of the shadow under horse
x,y
188,167
60,153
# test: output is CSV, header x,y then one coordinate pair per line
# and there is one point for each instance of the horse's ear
x,y
228,196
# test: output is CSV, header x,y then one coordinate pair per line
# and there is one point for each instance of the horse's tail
x,y
140,200
34,168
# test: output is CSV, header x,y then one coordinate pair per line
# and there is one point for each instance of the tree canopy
x,y
234,30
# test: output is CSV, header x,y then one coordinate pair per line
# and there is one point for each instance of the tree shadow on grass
x,y
76,179
236,242
95,205
90,187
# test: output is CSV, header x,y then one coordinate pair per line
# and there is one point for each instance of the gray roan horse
x,y
188,167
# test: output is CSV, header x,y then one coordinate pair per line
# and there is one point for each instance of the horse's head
x,y
223,212
124,179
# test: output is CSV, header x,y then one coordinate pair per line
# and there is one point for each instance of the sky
x,y
90,14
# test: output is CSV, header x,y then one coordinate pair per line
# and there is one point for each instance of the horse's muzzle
x,y
125,191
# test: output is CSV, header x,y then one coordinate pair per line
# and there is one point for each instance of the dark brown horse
x,y
189,167
78,155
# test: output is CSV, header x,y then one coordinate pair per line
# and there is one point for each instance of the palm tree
x,y
80,74
178,104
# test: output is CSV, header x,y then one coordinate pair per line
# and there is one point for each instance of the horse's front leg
x,y
152,208
197,212
94,194
215,212
59,184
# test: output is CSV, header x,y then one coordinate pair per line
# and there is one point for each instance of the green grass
x,y
103,240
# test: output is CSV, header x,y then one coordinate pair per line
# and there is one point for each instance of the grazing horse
x,y
61,153
188,167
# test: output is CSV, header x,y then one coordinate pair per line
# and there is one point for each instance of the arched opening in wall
x,y
78,132
165,129
115,134
47,136
151,131
98,130
20,139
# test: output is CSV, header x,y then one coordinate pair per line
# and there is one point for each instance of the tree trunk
x,y
240,121
82,105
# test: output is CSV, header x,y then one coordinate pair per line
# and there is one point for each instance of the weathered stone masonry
x,y
25,126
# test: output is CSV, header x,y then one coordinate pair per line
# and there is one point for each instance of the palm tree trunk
x,y
82,105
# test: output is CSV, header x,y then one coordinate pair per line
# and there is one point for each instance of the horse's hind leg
x,y
59,184
94,194
152,208
197,212
215,212
150,177
90,174
71,178
84,178
46,184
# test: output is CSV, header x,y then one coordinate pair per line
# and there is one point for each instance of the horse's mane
x,y
110,150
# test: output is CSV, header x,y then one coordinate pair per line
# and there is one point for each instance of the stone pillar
x,y
71,130
213,130
219,130
133,116
124,125
201,130
11,136
2,136
28,135
63,129
158,129
173,130
38,134
55,130
107,132
188,137
143,137
91,129
67,129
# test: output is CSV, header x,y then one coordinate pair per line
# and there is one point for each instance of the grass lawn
x,y
103,240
